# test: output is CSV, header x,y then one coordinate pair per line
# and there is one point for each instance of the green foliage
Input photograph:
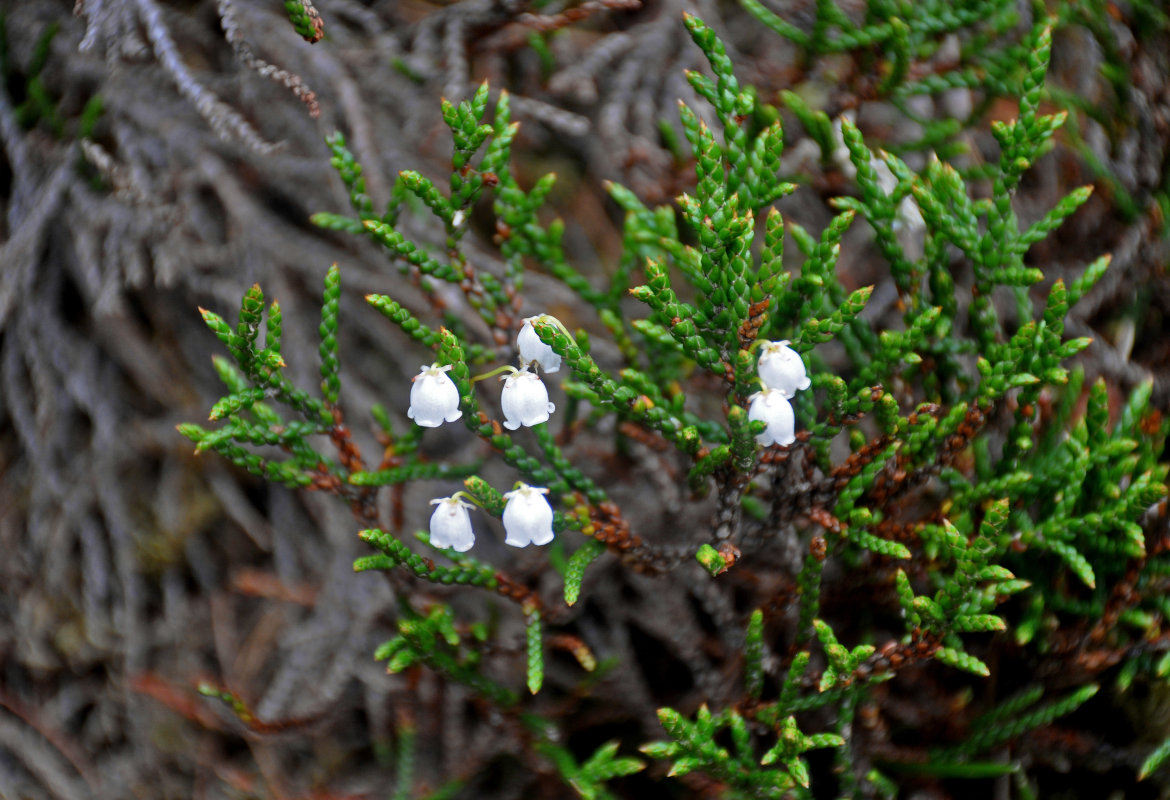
x,y
1011,719
693,748
754,656
1155,760
589,778
32,100
535,654
946,481
433,640
578,563
305,19
36,104
403,788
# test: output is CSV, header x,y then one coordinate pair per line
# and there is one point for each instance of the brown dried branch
x,y
244,52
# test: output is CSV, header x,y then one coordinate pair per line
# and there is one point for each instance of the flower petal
x,y
533,349
528,517
525,400
451,525
772,407
782,368
434,399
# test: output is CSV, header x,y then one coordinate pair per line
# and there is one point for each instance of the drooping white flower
x,y
451,524
433,397
772,406
781,368
533,349
908,217
528,517
525,400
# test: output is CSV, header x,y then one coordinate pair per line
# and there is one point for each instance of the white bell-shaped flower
x,y
451,524
525,400
772,406
528,518
533,349
433,397
781,368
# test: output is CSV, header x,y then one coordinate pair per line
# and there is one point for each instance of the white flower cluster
x,y
782,374
434,399
528,519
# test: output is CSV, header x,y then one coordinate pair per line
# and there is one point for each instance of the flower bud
x,y
781,368
525,400
533,349
772,406
433,397
451,524
528,517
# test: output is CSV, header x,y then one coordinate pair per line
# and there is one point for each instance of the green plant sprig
x,y
433,641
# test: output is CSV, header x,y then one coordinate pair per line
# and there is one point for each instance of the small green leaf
x,y
964,661
575,571
1154,760
535,652
711,560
